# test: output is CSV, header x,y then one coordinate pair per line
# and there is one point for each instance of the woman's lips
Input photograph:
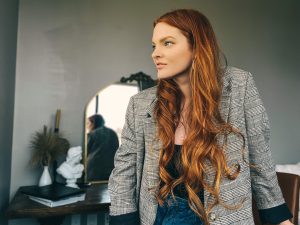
x,y
160,66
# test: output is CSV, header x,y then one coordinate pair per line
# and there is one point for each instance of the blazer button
x,y
212,216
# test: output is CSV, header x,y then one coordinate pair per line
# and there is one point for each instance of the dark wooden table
x,y
96,200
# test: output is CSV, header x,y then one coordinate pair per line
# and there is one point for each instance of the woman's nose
x,y
156,53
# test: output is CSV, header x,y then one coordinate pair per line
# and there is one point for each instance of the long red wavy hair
x,y
204,121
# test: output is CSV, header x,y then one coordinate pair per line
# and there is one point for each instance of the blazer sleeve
x,y
122,181
265,188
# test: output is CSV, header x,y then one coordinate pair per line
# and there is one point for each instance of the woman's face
x,y
172,54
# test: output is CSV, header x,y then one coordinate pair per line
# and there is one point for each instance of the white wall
x,y
68,50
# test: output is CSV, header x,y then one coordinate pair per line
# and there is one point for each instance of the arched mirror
x,y
104,120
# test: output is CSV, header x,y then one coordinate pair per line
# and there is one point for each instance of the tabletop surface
x,y
97,199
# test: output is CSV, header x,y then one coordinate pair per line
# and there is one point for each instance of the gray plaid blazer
x,y
133,180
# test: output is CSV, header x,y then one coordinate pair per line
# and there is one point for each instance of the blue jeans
x,y
177,212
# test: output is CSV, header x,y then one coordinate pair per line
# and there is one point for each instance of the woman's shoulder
x,y
236,75
147,94
143,101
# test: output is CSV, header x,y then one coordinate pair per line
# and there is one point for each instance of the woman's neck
x,y
185,86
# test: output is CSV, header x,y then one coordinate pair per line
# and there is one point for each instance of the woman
x,y
196,147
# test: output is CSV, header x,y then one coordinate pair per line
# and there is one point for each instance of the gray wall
x,y
8,41
68,50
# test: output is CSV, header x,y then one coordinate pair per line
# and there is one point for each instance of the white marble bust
x,y
72,169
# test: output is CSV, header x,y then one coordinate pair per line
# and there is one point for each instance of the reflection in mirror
x,y
104,120
105,115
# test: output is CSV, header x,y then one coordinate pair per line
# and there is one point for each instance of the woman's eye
x,y
168,43
153,46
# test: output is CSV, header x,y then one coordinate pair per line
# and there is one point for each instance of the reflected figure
x,y
102,145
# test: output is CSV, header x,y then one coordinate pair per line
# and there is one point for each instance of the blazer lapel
x,y
226,97
150,110
150,127
152,148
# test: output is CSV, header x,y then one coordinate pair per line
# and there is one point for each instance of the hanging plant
x,y
46,146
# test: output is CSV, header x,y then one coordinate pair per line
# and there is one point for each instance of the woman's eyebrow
x,y
161,40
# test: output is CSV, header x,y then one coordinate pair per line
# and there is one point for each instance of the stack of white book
x,y
64,201
54,195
